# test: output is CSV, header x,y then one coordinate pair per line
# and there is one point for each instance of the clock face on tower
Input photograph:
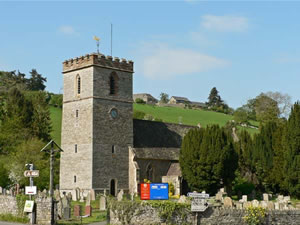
x,y
114,113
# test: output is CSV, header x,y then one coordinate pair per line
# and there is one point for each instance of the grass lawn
x,y
97,216
188,116
55,115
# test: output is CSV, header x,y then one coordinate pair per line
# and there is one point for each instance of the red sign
x,y
145,191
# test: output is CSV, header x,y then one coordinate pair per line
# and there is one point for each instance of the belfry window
x,y
77,113
75,148
113,83
113,149
78,84
74,179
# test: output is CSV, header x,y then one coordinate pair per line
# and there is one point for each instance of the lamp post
x,y
50,147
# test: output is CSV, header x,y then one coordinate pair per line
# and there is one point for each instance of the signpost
x,y
30,190
31,173
199,203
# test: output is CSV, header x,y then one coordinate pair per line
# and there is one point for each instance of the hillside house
x,y
149,99
178,100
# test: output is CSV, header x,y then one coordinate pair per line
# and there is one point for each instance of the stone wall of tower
x,y
77,131
108,131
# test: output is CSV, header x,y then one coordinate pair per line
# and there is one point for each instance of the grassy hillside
x,y
167,114
55,115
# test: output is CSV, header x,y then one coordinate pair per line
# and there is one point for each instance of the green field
x,y
167,114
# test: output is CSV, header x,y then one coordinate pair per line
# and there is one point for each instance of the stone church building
x,y
104,147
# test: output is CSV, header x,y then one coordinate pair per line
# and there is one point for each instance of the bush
x,y
140,101
139,115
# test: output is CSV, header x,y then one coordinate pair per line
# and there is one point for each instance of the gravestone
x,y
276,205
264,204
88,200
266,197
182,199
244,198
131,196
81,196
219,196
1,190
88,210
120,195
77,194
227,202
239,205
4,191
69,196
104,192
271,206
77,210
57,195
247,205
222,190
66,207
255,203
92,195
287,199
102,202
280,198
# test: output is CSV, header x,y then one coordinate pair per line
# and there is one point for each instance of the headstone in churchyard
x,y
81,196
227,202
247,205
244,198
77,210
255,203
88,210
102,203
219,196
239,205
92,194
104,192
4,191
280,198
69,196
271,205
264,204
131,196
287,199
1,190
66,207
77,191
222,190
266,197
88,200
276,205
182,199
120,195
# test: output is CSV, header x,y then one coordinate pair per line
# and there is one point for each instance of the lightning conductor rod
x,y
111,34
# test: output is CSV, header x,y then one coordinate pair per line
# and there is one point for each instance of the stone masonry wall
x,y
146,215
8,205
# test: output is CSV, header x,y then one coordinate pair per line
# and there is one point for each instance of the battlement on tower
x,y
95,59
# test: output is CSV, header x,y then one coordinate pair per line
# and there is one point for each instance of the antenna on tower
x,y
97,41
111,33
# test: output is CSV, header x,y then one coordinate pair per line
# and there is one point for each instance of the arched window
x,y
113,83
113,187
78,84
149,172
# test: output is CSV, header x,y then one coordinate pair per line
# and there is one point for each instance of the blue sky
x,y
183,48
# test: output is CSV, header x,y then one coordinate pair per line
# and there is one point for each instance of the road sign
x,y
199,201
30,190
31,173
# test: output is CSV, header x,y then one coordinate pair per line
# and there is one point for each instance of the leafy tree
x,y
214,99
36,81
13,79
56,100
266,109
292,152
4,178
208,159
140,101
283,102
164,98
240,116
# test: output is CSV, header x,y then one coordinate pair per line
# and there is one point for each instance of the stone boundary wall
x,y
146,215
8,205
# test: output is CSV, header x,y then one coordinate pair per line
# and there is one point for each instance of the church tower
x,y
97,125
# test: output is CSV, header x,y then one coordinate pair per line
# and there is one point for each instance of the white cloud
x,y
159,61
225,23
69,30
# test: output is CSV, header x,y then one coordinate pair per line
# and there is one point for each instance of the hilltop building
x,y
104,147
149,99
179,100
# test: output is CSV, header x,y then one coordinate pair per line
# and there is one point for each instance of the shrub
x,y
254,215
138,115
140,101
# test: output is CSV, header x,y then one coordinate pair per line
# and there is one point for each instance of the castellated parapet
x,y
99,60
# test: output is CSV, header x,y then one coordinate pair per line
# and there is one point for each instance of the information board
x,y
28,207
30,190
159,191
145,191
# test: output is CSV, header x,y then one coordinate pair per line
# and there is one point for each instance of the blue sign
x,y
159,191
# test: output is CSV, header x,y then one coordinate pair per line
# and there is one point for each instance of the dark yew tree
x,y
214,99
36,81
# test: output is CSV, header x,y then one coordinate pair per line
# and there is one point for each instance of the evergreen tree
x,y
208,159
214,98
36,81
292,152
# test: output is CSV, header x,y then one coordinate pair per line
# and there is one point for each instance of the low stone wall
x,y
145,214
8,205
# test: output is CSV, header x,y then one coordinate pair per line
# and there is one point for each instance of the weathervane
x,y
97,41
